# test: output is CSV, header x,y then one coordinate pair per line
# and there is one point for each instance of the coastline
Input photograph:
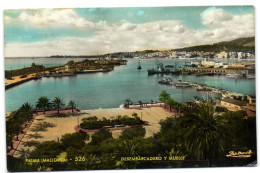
x,y
225,93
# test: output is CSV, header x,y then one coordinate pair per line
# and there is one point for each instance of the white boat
x,y
234,75
166,81
182,84
250,76
59,74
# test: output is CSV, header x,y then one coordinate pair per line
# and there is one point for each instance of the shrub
x,y
94,123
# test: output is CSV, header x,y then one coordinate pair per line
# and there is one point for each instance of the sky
x,y
92,31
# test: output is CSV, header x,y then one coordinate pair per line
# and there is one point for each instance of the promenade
x,y
18,139
17,80
48,127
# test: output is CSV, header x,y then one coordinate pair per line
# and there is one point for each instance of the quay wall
x,y
17,83
215,70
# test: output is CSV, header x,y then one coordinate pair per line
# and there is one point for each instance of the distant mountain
x,y
248,41
240,44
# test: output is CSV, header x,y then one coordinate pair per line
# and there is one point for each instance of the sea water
x,y
108,90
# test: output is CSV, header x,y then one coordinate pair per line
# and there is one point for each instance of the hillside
x,y
241,44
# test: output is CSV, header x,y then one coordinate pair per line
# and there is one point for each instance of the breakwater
x,y
18,80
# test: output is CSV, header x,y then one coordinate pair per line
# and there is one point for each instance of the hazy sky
x,y
85,31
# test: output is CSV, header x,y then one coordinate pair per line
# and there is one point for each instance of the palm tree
x,y
164,96
204,133
58,103
43,103
27,110
178,107
171,102
141,103
128,102
71,104
26,107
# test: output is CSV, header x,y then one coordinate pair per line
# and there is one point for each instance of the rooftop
x,y
235,102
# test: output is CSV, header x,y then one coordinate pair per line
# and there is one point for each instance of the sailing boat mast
x,y
139,67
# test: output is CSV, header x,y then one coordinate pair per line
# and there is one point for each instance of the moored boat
x,y
234,75
203,89
139,67
250,76
59,74
182,84
166,81
161,69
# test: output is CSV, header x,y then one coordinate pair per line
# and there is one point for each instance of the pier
x,y
202,71
19,76
17,80
215,70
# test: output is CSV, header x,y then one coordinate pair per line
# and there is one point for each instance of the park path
x,y
17,140
56,127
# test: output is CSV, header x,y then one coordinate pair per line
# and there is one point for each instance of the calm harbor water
x,y
107,90
17,63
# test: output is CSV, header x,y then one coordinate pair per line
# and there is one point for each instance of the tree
x,y
100,136
72,105
128,102
242,131
204,133
15,121
27,111
141,103
26,107
71,62
43,103
171,102
164,96
9,141
170,135
139,146
46,150
135,115
132,133
183,107
58,103
14,124
74,140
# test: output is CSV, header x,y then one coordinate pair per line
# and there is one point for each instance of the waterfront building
x,y
218,64
239,55
232,104
222,54
237,66
250,110
252,56
232,55
206,63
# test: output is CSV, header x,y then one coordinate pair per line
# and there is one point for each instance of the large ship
x,y
59,74
161,69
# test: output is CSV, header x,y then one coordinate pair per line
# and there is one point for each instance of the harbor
x,y
130,88
17,80
124,81
71,68
205,68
